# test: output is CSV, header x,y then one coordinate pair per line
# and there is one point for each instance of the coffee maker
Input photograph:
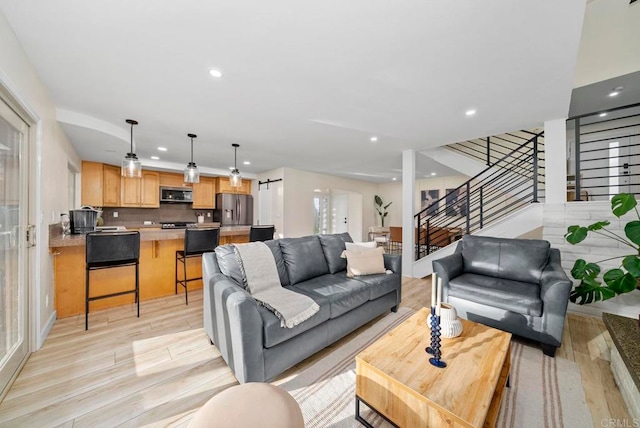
x,y
83,220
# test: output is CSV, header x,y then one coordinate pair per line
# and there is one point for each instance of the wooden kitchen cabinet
x,y
171,179
141,192
150,189
110,186
92,186
130,192
224,186
204,193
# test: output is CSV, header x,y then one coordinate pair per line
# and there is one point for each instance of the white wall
x,y
49,174
609,41
276,198
557,217
392,192
298,199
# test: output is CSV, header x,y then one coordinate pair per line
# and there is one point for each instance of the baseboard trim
x,y
46,330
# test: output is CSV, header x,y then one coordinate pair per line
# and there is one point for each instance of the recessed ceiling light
x,y
231,168
470,112
162,149
155,157
374,139
433,173
394,178
603,114
615,91
246,163
215,73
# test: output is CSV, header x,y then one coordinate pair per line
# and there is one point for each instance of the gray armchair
x,y
515,285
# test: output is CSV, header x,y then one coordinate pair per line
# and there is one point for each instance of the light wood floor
x,y
159,369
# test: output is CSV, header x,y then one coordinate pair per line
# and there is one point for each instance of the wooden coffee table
x,y
394,376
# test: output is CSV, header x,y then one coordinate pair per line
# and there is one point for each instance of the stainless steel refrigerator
x,y
234,209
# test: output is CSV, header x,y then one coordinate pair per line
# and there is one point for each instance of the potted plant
x,y
381,208
619,280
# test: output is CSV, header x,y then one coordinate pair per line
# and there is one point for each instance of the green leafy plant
x,y
381,208
619,280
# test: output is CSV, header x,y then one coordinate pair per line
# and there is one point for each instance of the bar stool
x,y
196,242
106,250
261,233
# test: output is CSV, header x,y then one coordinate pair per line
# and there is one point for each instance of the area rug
x,y
544,392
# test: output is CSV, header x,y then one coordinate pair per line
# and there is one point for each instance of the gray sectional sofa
x,y
516,285
249,336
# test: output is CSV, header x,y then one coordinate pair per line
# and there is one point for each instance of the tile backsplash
x,y
166,213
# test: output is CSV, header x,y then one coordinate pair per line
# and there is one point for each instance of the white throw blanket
x,y
261,278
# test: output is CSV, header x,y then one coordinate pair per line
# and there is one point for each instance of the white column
x,y
408,210
555,154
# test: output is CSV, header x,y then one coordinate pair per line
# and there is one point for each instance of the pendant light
x,y
235,178
131,166
191,173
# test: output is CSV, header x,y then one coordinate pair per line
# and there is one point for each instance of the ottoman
x,y
250,405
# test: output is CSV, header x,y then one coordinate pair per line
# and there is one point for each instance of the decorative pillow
x,y
355,246
366,261
359,246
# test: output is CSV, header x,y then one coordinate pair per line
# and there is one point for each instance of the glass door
x,y
14,343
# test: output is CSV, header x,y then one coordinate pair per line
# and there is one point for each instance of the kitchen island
x,y
157,268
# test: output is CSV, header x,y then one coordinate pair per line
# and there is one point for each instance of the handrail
x,y
490,167
512,181
605,157
490,149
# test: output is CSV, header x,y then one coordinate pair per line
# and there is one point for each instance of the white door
x,y
14,339
340,213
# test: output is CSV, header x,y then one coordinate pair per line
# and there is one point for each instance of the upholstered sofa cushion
x,y
380,284
303,258
274,246
332,247
343,293
274,334
515,296
514,259
228,264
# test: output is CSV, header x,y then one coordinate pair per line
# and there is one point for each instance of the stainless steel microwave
x,y
176,194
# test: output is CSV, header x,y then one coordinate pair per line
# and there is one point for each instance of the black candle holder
x,y
434,349
432,326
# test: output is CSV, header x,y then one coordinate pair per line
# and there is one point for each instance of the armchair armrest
x,y
555,287
448,268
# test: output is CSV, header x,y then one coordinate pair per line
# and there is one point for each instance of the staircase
x,y
513,180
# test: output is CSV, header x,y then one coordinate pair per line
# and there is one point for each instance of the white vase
x,y
450,325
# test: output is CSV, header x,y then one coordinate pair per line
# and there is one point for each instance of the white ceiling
x,y
305,84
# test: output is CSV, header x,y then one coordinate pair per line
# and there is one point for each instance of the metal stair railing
x,y
512,182
489,150
606,154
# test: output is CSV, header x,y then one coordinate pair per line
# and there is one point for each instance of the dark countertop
x,y
147,233
625,333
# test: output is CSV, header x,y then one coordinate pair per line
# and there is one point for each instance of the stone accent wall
x,y
557,217
625,382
